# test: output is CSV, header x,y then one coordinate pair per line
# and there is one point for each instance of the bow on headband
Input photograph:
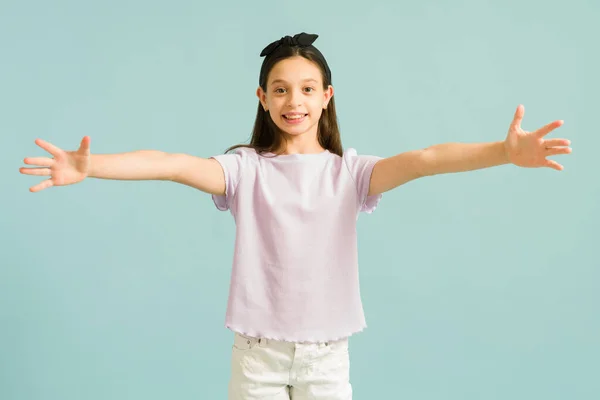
x,y
301,40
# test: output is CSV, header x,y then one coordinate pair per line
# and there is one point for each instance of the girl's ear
x,y
327,96
262,97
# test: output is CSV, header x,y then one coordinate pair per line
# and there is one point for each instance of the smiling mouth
x,y
294,117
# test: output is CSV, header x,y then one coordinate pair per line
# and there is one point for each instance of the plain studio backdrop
x,y
482,285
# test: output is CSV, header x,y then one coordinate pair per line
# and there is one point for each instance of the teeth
x,y
294,116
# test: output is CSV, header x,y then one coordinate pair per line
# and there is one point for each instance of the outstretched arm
x,y
70,167
522,148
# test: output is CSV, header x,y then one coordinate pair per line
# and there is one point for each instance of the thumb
x,y
516,123
84,147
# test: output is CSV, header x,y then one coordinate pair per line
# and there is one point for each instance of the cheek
x,y
275,111
317,108
275,104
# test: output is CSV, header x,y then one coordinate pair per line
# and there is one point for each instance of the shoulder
x,y
352,159
243,152
240,155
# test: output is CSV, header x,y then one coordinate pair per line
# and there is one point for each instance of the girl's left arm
x,y
522,148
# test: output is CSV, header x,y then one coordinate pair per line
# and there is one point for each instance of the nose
x,y
294,98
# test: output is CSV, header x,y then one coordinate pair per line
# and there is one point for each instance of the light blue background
x,y
482,285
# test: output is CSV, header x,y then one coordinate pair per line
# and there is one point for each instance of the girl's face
x,y
295,97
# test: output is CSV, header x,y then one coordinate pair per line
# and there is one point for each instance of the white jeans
x,y
277,370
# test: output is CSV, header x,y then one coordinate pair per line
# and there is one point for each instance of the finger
x,y
553,164
518,118
543,131
558,150
556,142
36,171
49,147
41,186
41,161
84,147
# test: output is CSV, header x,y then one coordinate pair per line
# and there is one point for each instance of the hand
x,y
530,149
65,168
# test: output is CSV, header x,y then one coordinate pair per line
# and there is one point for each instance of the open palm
x,y
64,168
530,149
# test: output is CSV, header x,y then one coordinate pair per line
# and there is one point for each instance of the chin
x,y
293,132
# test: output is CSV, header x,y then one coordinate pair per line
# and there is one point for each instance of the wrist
x,y
505,157
91,173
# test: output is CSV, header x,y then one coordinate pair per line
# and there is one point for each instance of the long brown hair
x,y
267,137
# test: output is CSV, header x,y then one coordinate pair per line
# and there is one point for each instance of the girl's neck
x,y
300,145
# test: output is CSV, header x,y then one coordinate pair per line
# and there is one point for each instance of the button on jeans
x,y
278,370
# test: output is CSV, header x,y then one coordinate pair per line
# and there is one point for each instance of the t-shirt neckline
x,y
296,156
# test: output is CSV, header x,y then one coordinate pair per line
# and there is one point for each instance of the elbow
x,y
172,167
426,163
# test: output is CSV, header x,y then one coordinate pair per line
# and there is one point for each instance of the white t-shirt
x,y
295,264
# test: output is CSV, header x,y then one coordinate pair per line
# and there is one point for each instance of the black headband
x,y
299,40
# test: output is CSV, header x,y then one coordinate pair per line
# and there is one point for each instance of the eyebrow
x,y
283,81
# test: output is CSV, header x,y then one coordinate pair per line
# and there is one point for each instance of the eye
x,y
280,90
309,89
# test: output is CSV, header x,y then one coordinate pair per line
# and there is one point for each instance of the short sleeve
x,y
233,165
361,168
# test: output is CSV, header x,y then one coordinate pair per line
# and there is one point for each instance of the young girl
x,y
295,195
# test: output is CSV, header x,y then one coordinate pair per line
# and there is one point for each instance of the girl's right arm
x,y
69,167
